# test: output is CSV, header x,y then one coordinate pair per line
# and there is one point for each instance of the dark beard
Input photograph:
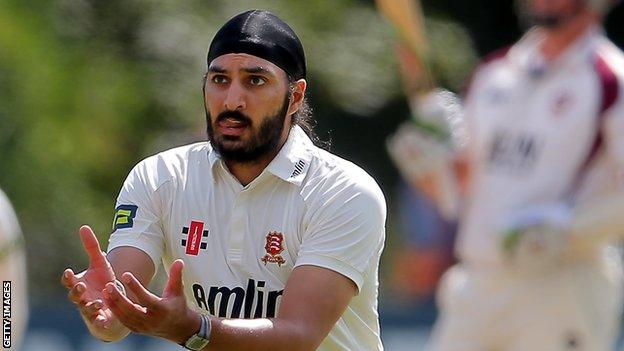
x,y
546,20
263,142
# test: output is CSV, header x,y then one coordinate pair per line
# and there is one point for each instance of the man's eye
x,y
257,81
219,79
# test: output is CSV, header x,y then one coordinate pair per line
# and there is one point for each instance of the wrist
x,y
200,339
190,327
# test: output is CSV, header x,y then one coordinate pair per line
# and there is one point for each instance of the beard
x,y
548,20
264,139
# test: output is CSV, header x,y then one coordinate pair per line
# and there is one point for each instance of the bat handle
x,y
448,202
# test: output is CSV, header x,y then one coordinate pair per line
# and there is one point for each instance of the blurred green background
x,y
88,88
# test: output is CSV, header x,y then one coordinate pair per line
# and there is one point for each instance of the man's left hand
x,y
168,317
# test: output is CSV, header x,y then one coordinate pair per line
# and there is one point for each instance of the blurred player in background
x,y
538,155
13,271
280,240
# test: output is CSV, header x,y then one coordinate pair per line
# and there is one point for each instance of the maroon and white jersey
x,y
540,133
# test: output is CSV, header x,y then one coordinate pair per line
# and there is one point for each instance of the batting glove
x,y
536,238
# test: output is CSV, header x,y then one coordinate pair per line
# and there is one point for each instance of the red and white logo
x,y
274,247
193,240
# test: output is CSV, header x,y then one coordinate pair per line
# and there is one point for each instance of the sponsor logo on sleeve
x,y
124,216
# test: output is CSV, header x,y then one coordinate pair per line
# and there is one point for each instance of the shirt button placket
x,y
237,229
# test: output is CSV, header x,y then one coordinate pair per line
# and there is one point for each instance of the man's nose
x,y
235,98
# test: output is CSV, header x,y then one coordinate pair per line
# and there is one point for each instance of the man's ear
x,y
297,94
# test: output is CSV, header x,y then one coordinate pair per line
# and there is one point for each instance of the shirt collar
x,y
527,55
291,163
215,161
213,156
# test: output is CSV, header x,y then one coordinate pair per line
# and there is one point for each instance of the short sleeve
x,y
138,213
347,229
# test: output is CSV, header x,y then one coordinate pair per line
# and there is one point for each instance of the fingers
x,y
100,321
92,246
104,318
93,312
92,308
131,315
68,279
175,286
76,292
112,295
143,295
101,318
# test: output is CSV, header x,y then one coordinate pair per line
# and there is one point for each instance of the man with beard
x,y
541,172
279,240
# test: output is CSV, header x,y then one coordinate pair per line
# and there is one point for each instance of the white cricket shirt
x,y
540,133
240,243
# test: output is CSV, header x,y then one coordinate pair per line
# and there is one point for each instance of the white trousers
x,y
573,307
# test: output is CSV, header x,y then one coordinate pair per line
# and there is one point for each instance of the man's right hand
x,y
535,238
85,290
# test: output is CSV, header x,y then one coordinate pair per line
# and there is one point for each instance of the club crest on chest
x,y
562,103
274,247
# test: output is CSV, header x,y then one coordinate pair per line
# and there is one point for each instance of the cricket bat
x,y
413,54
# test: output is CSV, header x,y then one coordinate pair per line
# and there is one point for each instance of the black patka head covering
x,y
261,33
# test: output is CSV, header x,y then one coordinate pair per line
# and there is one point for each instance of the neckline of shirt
x,y
291,163
526,53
